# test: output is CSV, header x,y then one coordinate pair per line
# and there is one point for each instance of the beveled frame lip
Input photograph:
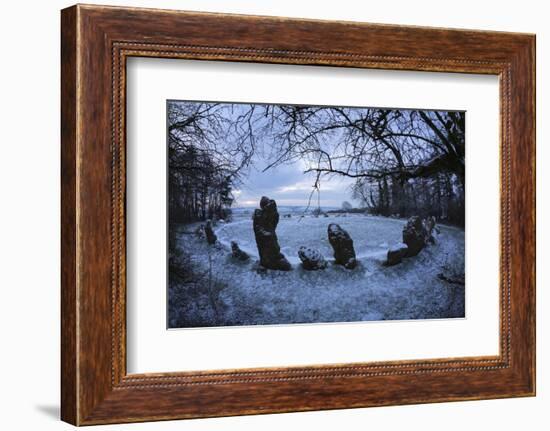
x,y
96,41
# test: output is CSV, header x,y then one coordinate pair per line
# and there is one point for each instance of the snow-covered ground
x,y
236,293
371,235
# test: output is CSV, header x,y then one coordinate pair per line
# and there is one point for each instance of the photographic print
x,y
287,214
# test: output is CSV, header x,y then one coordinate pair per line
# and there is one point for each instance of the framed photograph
x,y
264,215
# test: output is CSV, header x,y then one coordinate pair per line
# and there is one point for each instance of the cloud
x,y
288,185
300,186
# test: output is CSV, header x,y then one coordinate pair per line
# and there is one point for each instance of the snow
x,y
398,247
309,253
370,235
237,293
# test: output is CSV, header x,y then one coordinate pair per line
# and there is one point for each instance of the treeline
x,y
205,156
441,196
199,188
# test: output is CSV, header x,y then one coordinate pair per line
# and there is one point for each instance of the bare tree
x,y
370,142
402,160
209,146
346,206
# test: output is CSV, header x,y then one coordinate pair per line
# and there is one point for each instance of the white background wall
x,y
29,215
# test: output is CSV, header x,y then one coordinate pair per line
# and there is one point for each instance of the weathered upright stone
x,y
238,253
430,228
265,220
211,237
199,231
311,259
396,253
342,244
414,236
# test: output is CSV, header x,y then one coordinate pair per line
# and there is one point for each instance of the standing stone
x,y
414,236
238,253
396,253
211,237
265,220
429,227
342,244
199,231
311,259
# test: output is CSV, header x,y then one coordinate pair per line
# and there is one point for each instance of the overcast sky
x,y
288,185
